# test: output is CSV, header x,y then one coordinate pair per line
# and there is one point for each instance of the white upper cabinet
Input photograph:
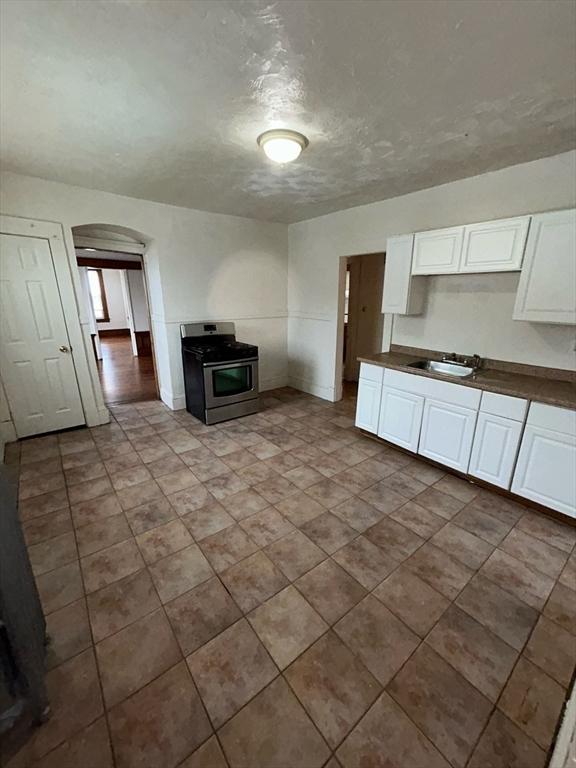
x,y
403,294
437,252
547,287
494,246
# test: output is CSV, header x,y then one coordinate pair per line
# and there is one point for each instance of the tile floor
x,y
281,591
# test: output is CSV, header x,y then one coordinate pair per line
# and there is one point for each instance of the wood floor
x,y
125,378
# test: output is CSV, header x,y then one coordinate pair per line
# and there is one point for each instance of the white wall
x,y
115,299
199,266
464,314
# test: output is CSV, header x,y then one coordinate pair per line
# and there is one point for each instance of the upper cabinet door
x,y
402,295
547,287
437,252
494,246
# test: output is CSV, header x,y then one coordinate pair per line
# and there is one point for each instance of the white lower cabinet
x,y
447,433
400,418
546,467
495,448
368,405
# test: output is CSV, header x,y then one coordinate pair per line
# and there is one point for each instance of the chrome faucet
x,y
473,362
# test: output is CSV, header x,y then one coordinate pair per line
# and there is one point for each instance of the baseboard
x,y
274,382
326,393
174,402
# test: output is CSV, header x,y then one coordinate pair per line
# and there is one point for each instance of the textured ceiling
x,y
164,100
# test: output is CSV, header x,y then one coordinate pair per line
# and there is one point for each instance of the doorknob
x,y
64,349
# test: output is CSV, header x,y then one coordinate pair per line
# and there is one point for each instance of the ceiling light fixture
x,y
282,146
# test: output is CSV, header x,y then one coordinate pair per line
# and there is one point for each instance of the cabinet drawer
x,y
552,417
467,397
371,372
504,405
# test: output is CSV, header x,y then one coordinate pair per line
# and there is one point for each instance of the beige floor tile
x,y
90,489
552,532
333,685
329,532
275,489
111,564
480,656
457,487
68,630
553,649
253,580
180,572
42,505
227,547
302,476
209,468
95,510
385,736
366,562
405,484
330,590
101,534
561,608
219,443
353,479
300,508
284,463
207,520
277,713
504,745
209,755
383,498
89,748
534,553
244,504
166,465
445,706
163,540
121,603
75,701
47,527
439,503
515,577
329,493
412,600
568,575
266,526
177,481
150,515
239,459
80,459
35,486
60,587
156,453
136,655
180,440
394,539
139,494
418,519
505,615
200,614
443,572
463,545
52,554
426,473
482,524
257,472
533,701
86,472
295,554
190,499
230,670
38,468
358,514
377,637
287,625
161,724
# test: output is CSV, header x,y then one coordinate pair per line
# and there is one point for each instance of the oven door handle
x,y
229,363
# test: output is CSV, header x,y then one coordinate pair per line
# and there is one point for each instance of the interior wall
x,y
464,313
115,299
199,266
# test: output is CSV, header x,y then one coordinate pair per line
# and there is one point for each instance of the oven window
x,y
232,381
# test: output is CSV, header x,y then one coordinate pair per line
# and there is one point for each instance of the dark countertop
x,y
542,389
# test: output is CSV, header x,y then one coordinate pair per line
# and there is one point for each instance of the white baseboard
x,y
174,402
275,382
304,385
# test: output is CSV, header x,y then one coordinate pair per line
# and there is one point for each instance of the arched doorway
x,y
112,272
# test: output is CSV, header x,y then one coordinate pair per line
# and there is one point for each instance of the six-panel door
x,y
36,359
447,433
400,418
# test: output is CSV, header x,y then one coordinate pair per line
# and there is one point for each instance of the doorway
x,y
362,318
115,293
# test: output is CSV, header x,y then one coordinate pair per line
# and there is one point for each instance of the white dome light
x,y
282,146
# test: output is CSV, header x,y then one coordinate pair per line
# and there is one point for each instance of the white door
x,y
35,354
447,433
494,246
368,405
437,252
547,286
128,309
494,449
400,418
545,471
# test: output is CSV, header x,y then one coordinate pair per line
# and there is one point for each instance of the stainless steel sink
x,y
458,370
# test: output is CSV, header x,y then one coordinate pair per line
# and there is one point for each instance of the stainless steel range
x,y
220,373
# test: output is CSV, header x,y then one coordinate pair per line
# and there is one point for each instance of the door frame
x,y
95,412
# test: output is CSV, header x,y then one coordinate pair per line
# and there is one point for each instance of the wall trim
x,y
305,385
325,317
220,319
174,402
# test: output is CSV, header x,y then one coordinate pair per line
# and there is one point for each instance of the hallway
x,y
124,377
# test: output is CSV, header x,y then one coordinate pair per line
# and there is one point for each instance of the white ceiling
x,y
164,100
